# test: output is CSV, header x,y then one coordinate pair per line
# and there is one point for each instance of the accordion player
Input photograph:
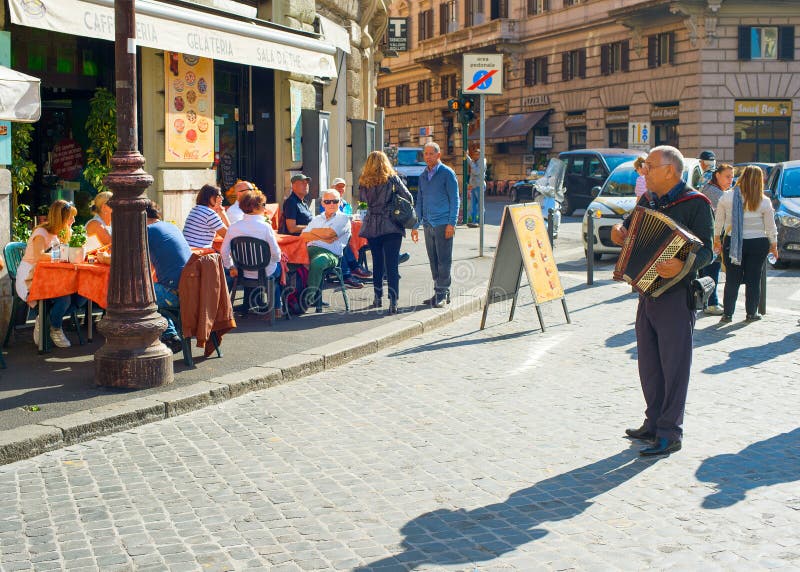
x,y
653,237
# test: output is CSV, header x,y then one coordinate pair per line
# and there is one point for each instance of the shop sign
x,y
763,108
664,113
575,120
618,116
542,142
640,134
67,160
189,94
535,100
398,34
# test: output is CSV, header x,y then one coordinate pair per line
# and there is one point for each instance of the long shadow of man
x,y
762,464
444,537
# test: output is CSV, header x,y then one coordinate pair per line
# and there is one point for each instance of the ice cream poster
x,y
189,94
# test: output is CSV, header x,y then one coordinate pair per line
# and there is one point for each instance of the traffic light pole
x,y
482,160
465,164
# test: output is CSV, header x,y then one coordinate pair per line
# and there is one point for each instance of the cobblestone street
x,y
457,450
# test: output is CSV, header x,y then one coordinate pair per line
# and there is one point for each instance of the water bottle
x,y
55,253
772,259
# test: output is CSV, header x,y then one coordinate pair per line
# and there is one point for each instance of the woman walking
x,y
749,221
720,182
375,186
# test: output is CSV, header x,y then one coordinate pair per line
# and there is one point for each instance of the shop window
x,y
761,139
536,71
615,57
89,65
425,25
37,57
573,64
661,49
618,136
538,7
766,43
666,133
576,138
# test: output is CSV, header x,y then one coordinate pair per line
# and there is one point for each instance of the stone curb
x,y
32,440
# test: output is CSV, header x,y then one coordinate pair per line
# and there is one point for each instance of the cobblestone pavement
x,y
458,450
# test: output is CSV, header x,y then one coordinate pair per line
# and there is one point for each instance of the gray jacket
x,y
378,222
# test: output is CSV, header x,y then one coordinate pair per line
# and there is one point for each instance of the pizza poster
x,y
189,94
537,254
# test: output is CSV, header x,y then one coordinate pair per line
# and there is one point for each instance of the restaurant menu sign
x,y
189,94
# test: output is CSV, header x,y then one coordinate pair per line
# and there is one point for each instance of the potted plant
x,y
76,251
22,223
362,209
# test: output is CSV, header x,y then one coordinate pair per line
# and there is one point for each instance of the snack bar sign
x,y
189,92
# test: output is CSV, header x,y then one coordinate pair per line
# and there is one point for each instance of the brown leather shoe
x,y
641,433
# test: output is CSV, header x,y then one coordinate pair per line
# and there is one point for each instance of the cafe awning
x,y
511,127
19,96
178,29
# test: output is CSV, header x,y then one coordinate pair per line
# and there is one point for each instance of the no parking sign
x,y
483,74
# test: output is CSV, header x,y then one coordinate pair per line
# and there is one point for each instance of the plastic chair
x,y
337,271
253,254
174,314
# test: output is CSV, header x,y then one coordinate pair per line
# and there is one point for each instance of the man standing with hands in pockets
x,y
437,207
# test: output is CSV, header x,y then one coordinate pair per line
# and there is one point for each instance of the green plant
x,y
362,206
78,237
22,168
101,127
43,210
22,223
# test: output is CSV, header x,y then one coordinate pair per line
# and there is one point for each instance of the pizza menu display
x,y
189,93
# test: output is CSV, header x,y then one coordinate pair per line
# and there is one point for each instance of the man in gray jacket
x,y
437,207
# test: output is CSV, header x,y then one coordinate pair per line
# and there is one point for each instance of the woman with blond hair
x,y
375,186
100,224
748,219
53,233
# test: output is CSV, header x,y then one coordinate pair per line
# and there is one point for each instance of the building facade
x,y
697,74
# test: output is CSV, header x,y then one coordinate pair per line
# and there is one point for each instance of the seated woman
x,y
58,228
254,225
206,219
100,224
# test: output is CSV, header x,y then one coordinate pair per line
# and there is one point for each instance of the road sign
x,y
483,74
640,134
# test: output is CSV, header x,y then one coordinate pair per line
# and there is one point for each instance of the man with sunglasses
x,y
327,235
664,325
234,212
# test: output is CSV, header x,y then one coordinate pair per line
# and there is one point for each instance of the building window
x,y
383,97
666,133
499,9
447,14
447,86
536,71
576,138
573,64
538,7
425,25
766,43
474,14
617,136
661,49
568,3
402,95
761,139
615,57
423,90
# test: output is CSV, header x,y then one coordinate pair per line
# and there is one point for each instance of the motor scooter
x,y
548,192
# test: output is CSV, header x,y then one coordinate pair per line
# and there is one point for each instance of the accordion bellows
x,y
653,237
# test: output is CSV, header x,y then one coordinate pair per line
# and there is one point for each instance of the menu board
x,y
537,254
189,94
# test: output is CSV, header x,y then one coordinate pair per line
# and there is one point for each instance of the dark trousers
x,y
385,254
754,253
712,271
664,328
440,256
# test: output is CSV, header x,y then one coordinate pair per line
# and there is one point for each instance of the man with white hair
x,y
351,271
327,235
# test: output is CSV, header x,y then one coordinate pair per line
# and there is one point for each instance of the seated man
x,y
327,235
235,212
351,271
296,214
169,253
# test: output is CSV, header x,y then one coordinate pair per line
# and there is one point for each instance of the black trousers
x,y
664,329
385,253
754,253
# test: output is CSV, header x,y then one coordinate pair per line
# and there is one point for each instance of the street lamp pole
x,y
133,355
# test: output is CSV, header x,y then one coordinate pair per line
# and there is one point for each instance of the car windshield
x,y
790,186
410,157
615,161
621,183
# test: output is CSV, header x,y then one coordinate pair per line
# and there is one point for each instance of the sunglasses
x,y
330,202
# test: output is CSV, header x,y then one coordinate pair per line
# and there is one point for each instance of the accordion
x,y
653,237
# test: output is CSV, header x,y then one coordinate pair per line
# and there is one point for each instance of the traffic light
x,y
454,105
467,108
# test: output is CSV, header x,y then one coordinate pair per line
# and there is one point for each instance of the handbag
x,y
699,291
401,210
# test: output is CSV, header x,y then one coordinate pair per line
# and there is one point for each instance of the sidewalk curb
x,y
32,440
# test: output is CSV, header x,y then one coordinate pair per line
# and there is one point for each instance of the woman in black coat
x,y
384,236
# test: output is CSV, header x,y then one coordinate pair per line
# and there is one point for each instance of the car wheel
x,y
566,206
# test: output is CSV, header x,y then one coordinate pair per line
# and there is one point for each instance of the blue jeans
x,y
476,193
167,298
60,307
348,261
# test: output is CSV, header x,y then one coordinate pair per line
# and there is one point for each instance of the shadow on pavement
x,y
456,342
448,537
747,357
765,463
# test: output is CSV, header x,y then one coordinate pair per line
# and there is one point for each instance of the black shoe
x,y
376,303
661,446
640,433
403,257
175,344
393,308
472,225
752,318
725,319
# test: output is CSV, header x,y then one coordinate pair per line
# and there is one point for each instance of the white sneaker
x,y
714,311
36,331
59,338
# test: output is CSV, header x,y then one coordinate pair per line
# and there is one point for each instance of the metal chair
x,y
253,255
337,271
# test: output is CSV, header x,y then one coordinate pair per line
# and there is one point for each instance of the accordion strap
x,y
688,195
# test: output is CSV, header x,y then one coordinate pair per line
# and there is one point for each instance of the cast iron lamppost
x,y
133,355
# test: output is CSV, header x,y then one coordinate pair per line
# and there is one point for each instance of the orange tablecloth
x,y
55,279
356,242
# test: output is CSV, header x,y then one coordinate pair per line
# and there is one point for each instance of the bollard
x,y
550,223
590,247
762,302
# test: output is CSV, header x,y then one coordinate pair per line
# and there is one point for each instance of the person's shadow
x,y
770,462
445,537
760,353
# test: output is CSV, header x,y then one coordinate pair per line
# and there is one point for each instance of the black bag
x,y
401,210
699,291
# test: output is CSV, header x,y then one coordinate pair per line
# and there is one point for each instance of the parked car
x,y
410,165
586,169
783,187
615,200
766,168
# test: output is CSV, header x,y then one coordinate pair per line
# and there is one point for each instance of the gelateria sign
x,y
162,26
763,108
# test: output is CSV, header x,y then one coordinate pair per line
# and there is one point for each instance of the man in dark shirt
x,y
296,214
664,325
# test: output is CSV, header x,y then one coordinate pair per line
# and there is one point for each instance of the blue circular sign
x,y
476,79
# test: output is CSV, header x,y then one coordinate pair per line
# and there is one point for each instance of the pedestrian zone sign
x,y
483,74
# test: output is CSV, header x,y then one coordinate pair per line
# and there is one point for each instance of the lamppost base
x,y
121,367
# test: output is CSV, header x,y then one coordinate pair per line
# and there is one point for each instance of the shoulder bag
x,y
401,210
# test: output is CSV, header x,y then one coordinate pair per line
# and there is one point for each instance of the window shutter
x,y
604,67
671,40
529,71
582,63
744,42
652,51
565,71
545,5
626,55
442,19
786,43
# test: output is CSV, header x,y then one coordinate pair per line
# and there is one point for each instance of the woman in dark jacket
x,y
384,236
